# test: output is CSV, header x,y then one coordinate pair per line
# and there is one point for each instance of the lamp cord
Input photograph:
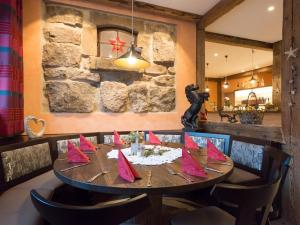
x,y
132,38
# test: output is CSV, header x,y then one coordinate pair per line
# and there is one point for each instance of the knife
x,y
72,167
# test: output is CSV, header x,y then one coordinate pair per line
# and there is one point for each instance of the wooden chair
x,y
248,199
106,213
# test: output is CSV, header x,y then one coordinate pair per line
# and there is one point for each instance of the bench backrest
x,y
22,161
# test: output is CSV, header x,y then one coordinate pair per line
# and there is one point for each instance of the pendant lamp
x,y
206,86
253,80
132,59
226,84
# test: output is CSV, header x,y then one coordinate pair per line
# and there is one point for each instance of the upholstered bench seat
x,y
16,207
240,176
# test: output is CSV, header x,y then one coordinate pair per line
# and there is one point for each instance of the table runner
x,y
11,68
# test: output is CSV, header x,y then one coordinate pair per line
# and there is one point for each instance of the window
x,y
113,42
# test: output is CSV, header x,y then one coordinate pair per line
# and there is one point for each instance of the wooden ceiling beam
x,y
220,9
151,9
237,41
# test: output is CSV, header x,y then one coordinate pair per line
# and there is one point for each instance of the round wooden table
x,y
162,181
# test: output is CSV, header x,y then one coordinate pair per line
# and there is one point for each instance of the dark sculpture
x,y
196,98
231,118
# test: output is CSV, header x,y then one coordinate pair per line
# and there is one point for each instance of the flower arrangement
x,y
131,138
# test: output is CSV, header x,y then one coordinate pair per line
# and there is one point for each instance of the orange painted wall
x,y
213,95
98,121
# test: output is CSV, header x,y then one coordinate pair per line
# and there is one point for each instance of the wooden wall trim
x,y
237,41
148,8
220,9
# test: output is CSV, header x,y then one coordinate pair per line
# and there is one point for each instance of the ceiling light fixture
x,y
226,84
271,8
132,59
216,54
206,87
253,80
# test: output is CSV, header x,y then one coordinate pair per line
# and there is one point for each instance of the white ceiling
x,y
199,7
251,19
239,59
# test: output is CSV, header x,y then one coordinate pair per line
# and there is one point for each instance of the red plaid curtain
x,y
11,68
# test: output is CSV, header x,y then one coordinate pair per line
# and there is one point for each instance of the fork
x,y
95,177
172,172
149,184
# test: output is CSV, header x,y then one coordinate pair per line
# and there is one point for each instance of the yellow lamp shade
x,y
132,59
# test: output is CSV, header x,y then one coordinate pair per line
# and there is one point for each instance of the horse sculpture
x,y
196,98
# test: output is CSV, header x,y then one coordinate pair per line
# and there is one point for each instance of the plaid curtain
x,y
11,68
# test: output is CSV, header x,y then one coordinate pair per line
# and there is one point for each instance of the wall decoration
x,y
28,129
79,74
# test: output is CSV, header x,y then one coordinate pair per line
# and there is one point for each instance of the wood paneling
x,y
290,115
148,8
220,9
271,133
237,41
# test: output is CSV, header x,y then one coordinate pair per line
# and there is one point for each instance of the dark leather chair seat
x,y
16,207
205,216
240,176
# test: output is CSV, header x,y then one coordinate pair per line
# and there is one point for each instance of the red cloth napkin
x,y
153,139
117,139
190,165
126,170
86,145
189,142
213,152
74,154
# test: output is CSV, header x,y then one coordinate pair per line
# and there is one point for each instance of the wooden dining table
x,y
162,181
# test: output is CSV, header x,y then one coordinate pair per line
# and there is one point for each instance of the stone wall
x,y
77,80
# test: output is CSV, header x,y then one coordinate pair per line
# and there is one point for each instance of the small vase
x,y
134,148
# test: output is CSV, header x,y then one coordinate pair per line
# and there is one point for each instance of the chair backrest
x,y
106,213
249,153
276,162
248,199
221,141
166,136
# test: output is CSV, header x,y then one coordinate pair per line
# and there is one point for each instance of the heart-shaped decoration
x,y
29,131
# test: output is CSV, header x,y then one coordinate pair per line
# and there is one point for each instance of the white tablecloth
x,y
167,157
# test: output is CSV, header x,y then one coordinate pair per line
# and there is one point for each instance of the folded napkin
x,y
189,142
126,170
86,145
153,139
74,154
190,165
117,139
213,152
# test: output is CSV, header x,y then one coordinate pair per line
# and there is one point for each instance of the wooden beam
x,y
290,115
237,41
276,74
249,73
220,9
200,57
151,9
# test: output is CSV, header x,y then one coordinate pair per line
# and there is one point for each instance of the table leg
x,y
153,215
